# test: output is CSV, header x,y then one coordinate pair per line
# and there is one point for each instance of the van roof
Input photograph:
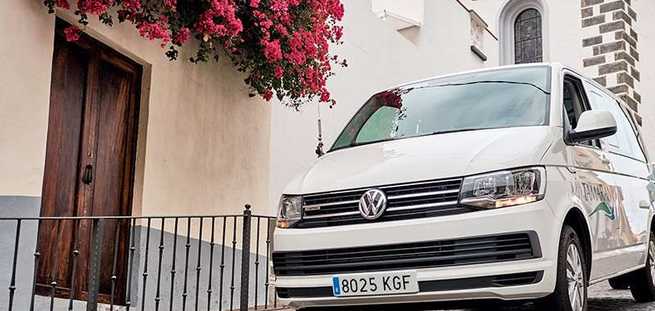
x,y
478,71
552,65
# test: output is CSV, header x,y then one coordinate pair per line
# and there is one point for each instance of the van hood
x,y
425,158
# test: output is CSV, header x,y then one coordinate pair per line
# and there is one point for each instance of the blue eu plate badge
x,y
336,289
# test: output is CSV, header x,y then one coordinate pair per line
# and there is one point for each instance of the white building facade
x,y
390,42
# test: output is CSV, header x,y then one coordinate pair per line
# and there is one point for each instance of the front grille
x,y
468,251
504,280
405,201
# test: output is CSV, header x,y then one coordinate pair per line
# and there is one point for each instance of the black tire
x,y
559,299
619,282
641,281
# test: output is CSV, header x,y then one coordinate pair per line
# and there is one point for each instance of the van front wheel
x,y
642,281
571,287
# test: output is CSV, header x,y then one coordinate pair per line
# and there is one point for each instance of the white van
x,y
514,183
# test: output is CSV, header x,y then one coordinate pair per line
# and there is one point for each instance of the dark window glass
x,y
527,37
625,140
573,103
474,101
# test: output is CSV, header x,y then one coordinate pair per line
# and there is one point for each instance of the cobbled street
x,y
601,298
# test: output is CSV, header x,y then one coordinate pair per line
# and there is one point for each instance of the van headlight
x,y
504,188
290,211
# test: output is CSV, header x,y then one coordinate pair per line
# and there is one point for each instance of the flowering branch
x,y
282,45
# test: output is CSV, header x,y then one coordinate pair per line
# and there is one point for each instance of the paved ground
x,y
603,298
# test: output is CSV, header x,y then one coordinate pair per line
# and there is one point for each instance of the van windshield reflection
x,y
496,99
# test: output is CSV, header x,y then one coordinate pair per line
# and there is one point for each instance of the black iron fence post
x,y
12,284
245,258
94,264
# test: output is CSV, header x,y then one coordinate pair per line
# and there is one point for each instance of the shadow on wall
x,y
17,206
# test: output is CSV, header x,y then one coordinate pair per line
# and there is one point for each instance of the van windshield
x,y
483,100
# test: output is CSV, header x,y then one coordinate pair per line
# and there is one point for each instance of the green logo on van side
x,y
606,209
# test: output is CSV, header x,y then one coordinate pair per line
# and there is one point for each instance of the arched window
x,y
528,46
523,32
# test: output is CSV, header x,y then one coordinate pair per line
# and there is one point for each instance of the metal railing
x,y
139,262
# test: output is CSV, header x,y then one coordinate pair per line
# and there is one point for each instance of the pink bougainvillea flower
x,y
272,50
267,95
131,5
338,32
155,31
279,5
170,4
283,46
278,72
182,36
325,95
72,33
95,7
393,98
220,20
63,4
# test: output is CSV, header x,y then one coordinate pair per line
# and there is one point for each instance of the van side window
x,y
598,101
635,129
573,102
624,142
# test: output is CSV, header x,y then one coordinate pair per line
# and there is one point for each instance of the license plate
x,y
373,284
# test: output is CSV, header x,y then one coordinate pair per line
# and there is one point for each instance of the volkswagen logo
x,y
372,204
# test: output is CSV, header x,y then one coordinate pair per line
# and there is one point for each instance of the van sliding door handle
x,y
644,204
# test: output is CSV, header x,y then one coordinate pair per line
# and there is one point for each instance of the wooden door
x,y
89,166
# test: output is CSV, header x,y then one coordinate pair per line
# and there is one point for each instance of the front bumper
x,y
536,217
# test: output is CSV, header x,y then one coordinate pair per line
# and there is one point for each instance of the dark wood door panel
x,y
62,154
89,169
109,161
113,102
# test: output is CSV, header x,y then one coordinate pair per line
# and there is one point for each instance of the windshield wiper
x,y
451,131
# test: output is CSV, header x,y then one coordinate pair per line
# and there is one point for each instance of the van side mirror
x,y
593,124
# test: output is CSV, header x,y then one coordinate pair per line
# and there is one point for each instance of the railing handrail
x,y
130,217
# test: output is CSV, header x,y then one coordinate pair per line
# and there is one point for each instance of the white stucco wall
x,y
646,30
203,143
411,9
25,63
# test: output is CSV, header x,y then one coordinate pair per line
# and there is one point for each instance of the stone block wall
x,y
611,48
